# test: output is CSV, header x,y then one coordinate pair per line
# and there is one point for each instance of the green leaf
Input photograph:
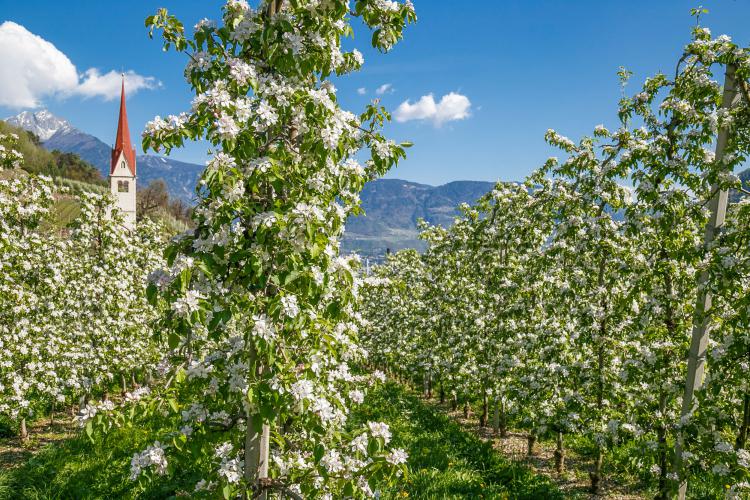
x,y
151,293
318,452
349,489
173,340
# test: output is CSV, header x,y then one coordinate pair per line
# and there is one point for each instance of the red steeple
x,y
122,142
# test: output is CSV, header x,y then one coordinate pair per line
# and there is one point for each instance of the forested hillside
x,y
51,163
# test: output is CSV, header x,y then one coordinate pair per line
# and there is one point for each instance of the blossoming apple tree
x,y
262,317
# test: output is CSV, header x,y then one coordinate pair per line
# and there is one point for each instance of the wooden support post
x,y
699,342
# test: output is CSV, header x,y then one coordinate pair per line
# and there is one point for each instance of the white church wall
x,y
125,200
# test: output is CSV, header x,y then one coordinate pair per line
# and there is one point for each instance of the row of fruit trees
x,y
243,344
74,319
566,303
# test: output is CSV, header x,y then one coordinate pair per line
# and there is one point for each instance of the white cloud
x,y
33,68
107,85
361,91
451,107
386,87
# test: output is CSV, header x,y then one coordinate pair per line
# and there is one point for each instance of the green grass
x,y
444,460
81,469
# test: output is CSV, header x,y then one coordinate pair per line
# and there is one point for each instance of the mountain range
x,y
392,206
58,133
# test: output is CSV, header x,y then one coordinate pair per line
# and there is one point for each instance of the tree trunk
x,y
485,412
442,394
596,474
661,437
496,416
530,442
454,402
503,421
52,414
560,454
24,432
123,383
742,435
467,409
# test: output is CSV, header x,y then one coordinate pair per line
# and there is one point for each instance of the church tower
x,y
122,169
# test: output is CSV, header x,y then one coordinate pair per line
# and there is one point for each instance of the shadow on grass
x,y
444,460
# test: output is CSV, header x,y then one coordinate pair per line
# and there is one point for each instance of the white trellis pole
x,y
718,206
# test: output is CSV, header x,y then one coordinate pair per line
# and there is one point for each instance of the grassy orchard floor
x,y
445,460
623,478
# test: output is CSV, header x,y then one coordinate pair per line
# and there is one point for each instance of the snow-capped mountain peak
x,y
43,123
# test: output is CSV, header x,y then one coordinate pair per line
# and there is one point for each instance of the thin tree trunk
x,y
742,435
560,454
596,474
661,431
530,442
496,416
454,402
503,420
485,411
123,383
661,437
52,414
24,431
442,393
467,409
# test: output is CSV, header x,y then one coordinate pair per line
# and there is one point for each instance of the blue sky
x,y
525,66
